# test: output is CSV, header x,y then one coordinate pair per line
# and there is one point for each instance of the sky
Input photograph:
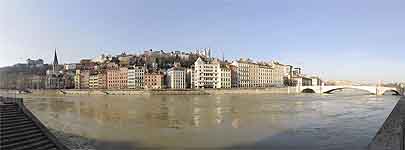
x,y
359,40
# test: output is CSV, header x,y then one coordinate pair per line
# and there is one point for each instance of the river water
x,y
285,122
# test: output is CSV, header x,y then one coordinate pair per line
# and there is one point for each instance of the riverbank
x,y
391,134
73,142
284,90
180,92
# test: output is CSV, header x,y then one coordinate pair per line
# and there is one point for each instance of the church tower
x,y
55,62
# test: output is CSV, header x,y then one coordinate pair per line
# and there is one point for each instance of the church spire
x,y
55,59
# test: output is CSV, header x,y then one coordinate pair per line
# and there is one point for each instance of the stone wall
x,y
389,137
182,92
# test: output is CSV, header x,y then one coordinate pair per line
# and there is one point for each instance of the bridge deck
x,y
21,130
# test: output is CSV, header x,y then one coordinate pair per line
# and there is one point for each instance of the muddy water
x,y
307,121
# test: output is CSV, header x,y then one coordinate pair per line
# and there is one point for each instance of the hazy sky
x,y
337,39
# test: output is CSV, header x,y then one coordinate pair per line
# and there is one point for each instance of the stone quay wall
x,y
285,90
390,136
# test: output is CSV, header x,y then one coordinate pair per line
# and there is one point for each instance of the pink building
x,y
117,78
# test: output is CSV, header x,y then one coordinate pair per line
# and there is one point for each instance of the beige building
x,y
97,80
102,79
136,77
117,78
176,78
265,76
207,74
278,74
93,81
247,74
225,77
82,79
153,80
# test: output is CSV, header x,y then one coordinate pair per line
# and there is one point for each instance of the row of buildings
x,y
208,73
158,70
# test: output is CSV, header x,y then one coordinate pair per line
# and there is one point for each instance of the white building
x,y
207,74
176,78
316,81
136,77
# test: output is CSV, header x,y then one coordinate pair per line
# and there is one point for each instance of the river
x,y
287,122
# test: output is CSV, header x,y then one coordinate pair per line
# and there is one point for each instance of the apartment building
x,y
190,77
153,80
279,72
117,78
226,80
207,74
176,78
246,74
265,76
82,79
136,77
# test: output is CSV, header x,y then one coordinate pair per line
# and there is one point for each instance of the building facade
x,y
176,78
265,76
302,81
117,78
316,81
246,74
136,77
190,77
154,80
93,81
207,74
226,80
82,79
278,74
55,81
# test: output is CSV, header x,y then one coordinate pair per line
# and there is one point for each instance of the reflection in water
x,y
308,121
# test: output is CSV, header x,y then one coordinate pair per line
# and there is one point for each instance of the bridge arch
x,y
330,89
308,90
391,90
372,91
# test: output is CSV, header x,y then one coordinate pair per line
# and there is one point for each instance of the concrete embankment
x,y
285,90
390,136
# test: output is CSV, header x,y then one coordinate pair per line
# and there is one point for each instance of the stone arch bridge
x,y
377,90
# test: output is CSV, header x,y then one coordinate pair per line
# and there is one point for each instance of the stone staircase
x,y
20,130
